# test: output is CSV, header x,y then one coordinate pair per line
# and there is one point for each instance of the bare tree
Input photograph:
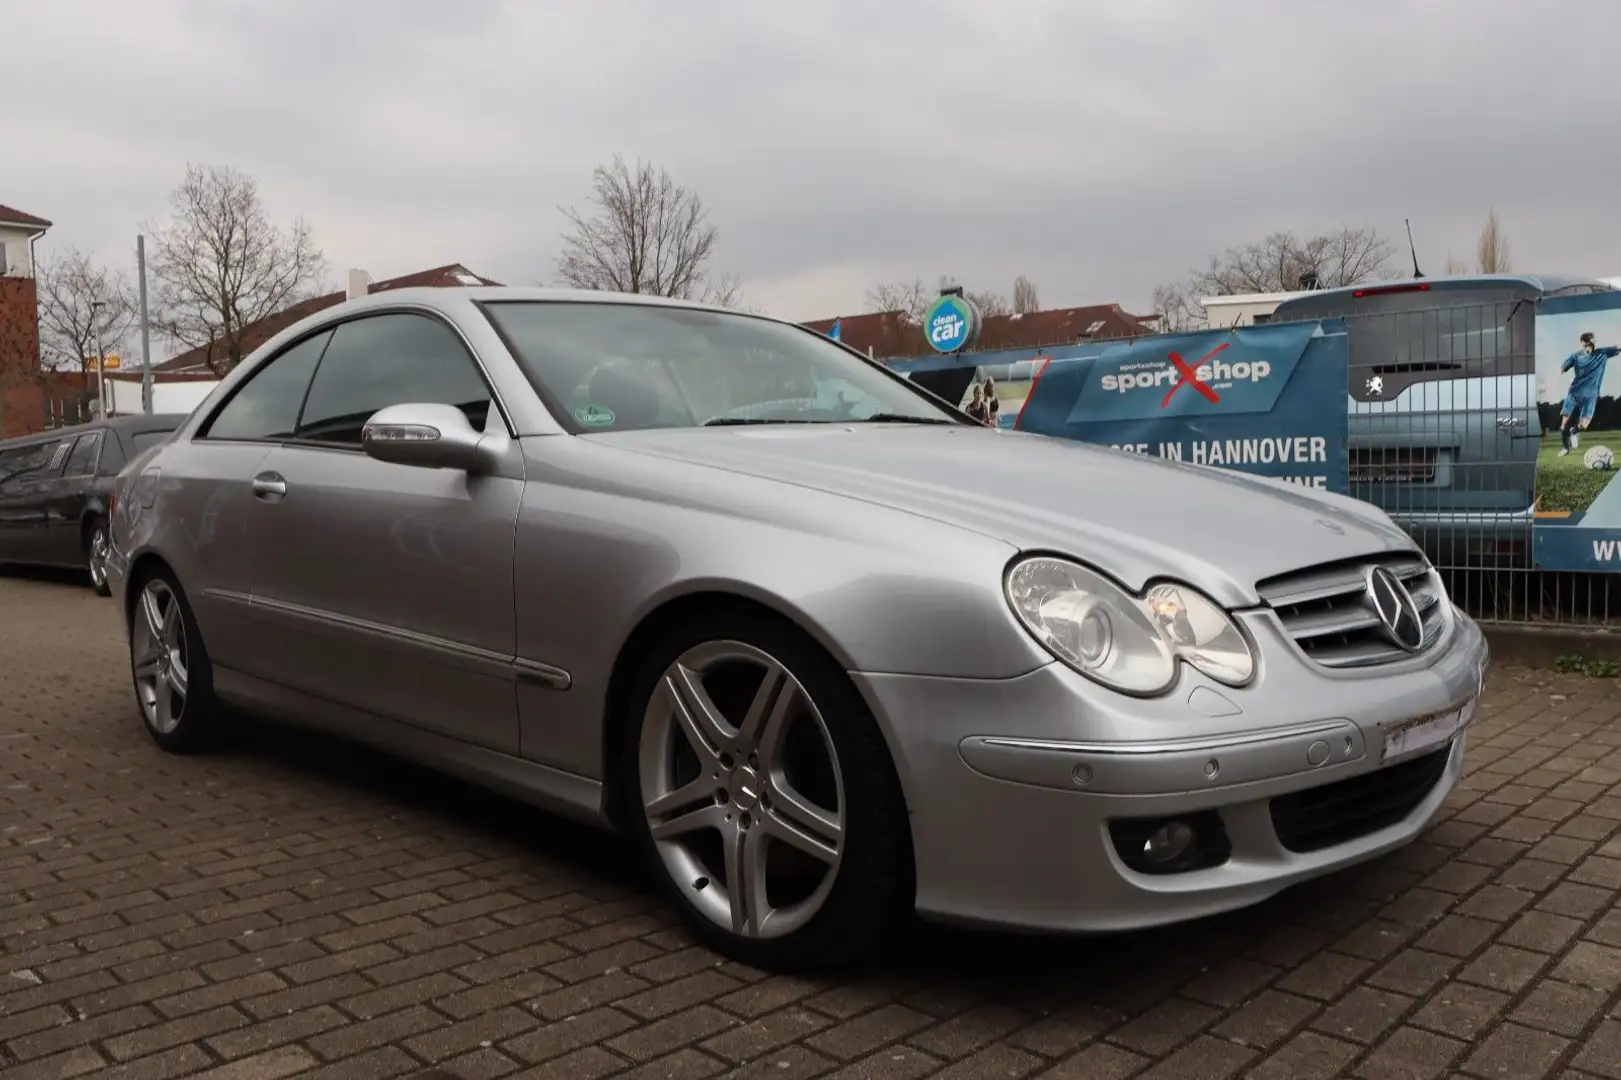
x,y
1455,265
989,304
909,297
644,233
82,307
219,264
1024,295
1491,250
1281,262
1178,309
912,298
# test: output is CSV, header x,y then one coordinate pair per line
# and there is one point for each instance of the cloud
x,y
1100,147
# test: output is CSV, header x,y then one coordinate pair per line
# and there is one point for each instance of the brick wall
x,y
22,399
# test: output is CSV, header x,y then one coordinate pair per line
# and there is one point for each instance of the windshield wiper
x,y
738,421
903,418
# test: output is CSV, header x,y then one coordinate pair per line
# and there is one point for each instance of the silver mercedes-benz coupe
x,y
822,648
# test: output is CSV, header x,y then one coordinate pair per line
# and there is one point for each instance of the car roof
x,y
135,425
1543,283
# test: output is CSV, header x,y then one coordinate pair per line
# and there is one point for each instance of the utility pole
x,y
146,339
101,358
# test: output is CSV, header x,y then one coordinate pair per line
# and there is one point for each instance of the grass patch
x,y
1563,482
1570,664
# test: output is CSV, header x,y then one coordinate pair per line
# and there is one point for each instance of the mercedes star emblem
x,y
1397,610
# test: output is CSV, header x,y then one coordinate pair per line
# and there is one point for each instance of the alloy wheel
x,y
158,653
99,550
742,790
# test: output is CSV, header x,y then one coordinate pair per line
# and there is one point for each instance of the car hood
x,y
1132,516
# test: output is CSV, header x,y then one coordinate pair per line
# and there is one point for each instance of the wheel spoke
x,y
177,677
700,790
700,720
146,665
745,881
171,623
152,615
765,710
706,817
796,821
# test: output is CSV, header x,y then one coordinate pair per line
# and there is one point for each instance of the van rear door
x,y
1442,399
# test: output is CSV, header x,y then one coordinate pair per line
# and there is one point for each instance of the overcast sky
x,y
1100,148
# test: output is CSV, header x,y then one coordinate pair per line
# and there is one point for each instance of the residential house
x,y
197,361
892,335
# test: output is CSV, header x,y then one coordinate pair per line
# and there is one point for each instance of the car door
x,y
208,483
13,462
384,587
67,498
33,487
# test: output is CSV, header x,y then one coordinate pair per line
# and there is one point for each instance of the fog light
x,y
1169,842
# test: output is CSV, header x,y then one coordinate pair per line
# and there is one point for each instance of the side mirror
x,y
427,436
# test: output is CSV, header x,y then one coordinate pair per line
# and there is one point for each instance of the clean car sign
x,y
951,324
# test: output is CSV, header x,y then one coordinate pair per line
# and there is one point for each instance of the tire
x,y
722,798
174,680
96,547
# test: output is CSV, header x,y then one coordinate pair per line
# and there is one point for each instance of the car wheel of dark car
x,y
174,683
97,547
766,801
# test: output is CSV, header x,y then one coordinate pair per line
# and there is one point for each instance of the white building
x,y
18,232
1242,309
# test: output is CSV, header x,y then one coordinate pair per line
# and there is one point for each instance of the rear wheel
x,y
767,803
97,546
174,681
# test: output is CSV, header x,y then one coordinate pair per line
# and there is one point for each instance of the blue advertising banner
x,y
1578,514
1267,400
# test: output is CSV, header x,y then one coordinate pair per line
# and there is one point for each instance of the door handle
x,y
269,486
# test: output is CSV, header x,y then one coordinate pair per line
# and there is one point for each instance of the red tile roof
x,y
255,335
891,334
8,216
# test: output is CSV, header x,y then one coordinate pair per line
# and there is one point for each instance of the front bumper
x,y
1012,784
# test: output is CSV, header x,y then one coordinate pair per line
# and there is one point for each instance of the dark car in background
x,y
56,487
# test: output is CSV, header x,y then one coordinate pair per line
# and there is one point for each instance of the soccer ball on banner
x,y
1599,458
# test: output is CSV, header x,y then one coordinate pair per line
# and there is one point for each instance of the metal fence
x,y
1453,434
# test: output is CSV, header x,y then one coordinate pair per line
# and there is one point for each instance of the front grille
x,y
1347,810
1395,465
1326,610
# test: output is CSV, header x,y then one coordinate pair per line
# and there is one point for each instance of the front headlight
x,y
1125,642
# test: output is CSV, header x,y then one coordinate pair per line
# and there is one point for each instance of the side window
x,y
385,360
82,458
13,463
145,440
266,406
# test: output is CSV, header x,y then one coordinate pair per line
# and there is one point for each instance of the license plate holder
x,y
1409,737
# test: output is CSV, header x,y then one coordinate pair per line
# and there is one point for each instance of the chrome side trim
x,y
552,678
494,663
1172,767
1171,746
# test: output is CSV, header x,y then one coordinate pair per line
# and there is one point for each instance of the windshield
x,y
624,367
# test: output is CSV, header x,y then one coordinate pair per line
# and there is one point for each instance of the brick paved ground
x,y
299,908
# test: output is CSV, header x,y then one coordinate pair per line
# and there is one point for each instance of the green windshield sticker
x,y
594,415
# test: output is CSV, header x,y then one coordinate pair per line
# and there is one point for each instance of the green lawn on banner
x,y
1564,483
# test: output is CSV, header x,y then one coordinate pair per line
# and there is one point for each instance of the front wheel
x,y
767,804
97,547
